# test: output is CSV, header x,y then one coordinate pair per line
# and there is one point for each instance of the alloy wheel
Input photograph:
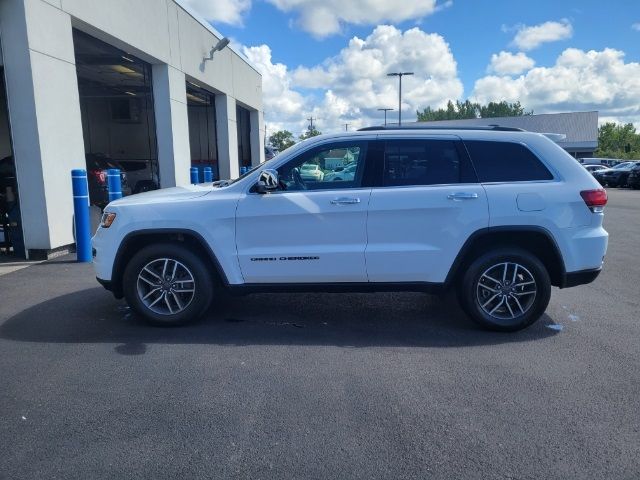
x,y
506,291
166,286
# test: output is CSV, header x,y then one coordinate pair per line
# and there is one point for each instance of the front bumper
x,y
105,283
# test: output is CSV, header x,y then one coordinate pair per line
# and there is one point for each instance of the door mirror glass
x,y
268,181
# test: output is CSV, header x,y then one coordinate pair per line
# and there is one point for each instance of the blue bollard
x,y
81,214
114,184
195,176
208,175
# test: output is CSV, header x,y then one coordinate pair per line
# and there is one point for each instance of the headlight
x,y
107,219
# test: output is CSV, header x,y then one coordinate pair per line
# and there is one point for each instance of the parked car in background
x,y
342,174
608,162
594,168
270,152
634,177
616,176
311,171
97,166
141,175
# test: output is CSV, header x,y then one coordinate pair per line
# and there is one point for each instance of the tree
x,y
503,109
282,140
468,109
618,141
313,132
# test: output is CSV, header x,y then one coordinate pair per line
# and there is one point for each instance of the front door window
x,y
327,167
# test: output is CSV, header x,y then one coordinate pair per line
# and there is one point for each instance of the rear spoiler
x,y
556,137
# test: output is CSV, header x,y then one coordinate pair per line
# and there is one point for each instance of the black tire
x,y
200,298
470,290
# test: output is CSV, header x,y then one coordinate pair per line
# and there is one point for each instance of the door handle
x,y
345,201
462,196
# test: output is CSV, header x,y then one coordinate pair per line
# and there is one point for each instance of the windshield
x,y
225,183
620,166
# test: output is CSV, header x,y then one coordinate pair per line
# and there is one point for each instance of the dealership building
x,y
580,129
144,85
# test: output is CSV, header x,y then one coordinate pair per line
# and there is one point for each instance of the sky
x,y
329,59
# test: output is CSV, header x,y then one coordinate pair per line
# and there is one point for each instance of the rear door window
x,y
424,162
505,162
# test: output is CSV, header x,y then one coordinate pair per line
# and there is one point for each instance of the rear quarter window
x,y
505,162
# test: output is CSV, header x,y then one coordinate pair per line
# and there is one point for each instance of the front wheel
x,y
167,284
505,290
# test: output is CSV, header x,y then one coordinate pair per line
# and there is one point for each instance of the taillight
x,y
99,175
595,199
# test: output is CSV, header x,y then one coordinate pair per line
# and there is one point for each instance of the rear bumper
x,y
582,277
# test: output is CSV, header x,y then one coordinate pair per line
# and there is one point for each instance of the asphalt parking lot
x,y
322,386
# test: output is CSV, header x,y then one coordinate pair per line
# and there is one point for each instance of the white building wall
x,y
44,111
44,104
257,141
227,136
172,125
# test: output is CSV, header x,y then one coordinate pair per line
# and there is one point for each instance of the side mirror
x,y
268,181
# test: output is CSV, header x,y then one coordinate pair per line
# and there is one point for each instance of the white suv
x,y
498,213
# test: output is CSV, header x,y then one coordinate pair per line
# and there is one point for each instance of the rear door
x,y
425,206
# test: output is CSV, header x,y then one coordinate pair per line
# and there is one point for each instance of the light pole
x,y
385,110
399,75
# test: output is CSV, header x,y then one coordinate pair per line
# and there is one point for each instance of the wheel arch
x,y
534,239
137,240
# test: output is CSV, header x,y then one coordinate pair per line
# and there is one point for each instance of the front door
x,y
313,228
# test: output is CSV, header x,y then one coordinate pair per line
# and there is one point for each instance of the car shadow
x,y
345,320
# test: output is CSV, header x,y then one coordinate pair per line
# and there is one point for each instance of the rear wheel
x,y
505,290
167,284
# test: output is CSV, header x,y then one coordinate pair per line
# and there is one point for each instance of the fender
x,y
118,264
485,232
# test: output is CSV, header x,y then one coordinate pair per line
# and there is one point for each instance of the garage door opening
x,y
201,109
11,240
118,123
244,136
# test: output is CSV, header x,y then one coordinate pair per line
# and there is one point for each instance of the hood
x,y
174,194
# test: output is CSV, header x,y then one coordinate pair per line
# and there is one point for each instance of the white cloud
x,y
579,80
225,11
636,26
351,86
530,37
282,104
507,63
326,17
356,78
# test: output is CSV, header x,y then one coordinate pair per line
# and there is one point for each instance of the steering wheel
x,y
297,179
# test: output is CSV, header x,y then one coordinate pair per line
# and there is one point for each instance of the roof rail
x,y
414,126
